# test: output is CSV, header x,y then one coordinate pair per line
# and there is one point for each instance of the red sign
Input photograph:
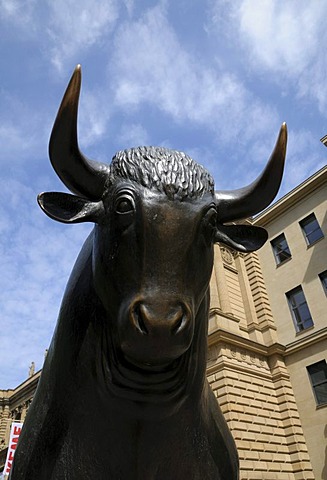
x,y
16,428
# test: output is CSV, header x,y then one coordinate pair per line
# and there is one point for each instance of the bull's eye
x,y
124,204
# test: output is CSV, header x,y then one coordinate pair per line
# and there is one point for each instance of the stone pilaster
x,y
264,315
256,398
295,440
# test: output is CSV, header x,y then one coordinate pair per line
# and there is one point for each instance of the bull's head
x,y
157,217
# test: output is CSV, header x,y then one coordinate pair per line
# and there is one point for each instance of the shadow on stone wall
x,y
324,470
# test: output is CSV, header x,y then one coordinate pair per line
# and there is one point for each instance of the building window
x,y
311,229
318,377
323,279
280,249
299,309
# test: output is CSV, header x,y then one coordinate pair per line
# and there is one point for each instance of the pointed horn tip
x,y
78,70
283,128
283,134
73,89
77,75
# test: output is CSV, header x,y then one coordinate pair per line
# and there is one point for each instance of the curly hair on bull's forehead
x,y
168,171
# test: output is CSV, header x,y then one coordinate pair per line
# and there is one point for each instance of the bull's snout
x,y
157,319
155,331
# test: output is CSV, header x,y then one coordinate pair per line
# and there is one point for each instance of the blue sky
x,y
213,78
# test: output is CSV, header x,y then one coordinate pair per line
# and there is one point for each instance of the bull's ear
x,y
67,208
244,238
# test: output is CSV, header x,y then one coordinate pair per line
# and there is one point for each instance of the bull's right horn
x,y
248,201
80,175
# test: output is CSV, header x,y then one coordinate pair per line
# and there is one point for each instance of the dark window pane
x,y
323,279
299,309
284,255
308,323
280,249
303,312
311,229
321,393
314,235
297,298
318,377
318,372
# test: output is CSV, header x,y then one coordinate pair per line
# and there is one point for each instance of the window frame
x,y
323,279
315,384
276,253
304,224
295,309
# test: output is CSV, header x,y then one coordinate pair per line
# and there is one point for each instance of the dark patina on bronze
x,y
123,393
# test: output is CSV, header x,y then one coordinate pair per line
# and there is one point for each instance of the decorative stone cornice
x,y
306,341
20,394
223,336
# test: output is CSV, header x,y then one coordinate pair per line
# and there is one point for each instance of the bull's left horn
x,y
81,175
250,200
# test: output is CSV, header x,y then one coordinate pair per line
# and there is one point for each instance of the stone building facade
x,y
254,366
247,371
14,406
294,266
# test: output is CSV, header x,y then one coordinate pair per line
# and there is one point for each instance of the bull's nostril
x,y
138,319
159,319
178,321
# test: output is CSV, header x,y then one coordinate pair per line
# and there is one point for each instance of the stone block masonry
x,y
256,397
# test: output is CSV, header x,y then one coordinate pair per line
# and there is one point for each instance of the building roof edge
x,y
287,201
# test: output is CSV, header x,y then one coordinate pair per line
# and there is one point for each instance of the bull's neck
x,y
75,357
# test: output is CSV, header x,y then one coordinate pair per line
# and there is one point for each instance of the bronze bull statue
x,y
123,394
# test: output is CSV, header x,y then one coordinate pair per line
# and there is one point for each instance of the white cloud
x,y
283,38
18,11
130,5
303,158
23,130
75,25
35,260
68,28
94,116
151,66
133,135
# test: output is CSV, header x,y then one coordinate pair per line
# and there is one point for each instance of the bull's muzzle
x,y
156,331
159,319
